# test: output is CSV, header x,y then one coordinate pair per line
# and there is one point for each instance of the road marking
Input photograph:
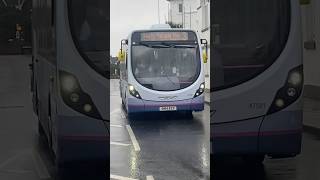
x,y
40,166
16,171
10,107
119,144
150,178
115,125
122,115
115,111
120,177
11,159
133,138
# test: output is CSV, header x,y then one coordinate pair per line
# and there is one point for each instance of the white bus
x,y
162,69
70,78
256,104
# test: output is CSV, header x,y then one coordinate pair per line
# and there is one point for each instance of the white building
x,y
195,15
311,37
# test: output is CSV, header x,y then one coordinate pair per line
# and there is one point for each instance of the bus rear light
x,y
290,92
75,97
200,90
134,92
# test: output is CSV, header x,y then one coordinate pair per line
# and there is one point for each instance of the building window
x,y
180,8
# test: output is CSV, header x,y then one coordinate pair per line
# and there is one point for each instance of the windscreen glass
x,y
248,36
165,61
89,26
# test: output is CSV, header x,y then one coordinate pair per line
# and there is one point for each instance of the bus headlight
x,y
134,92
200,90
295,78
69,83
73,96
290,92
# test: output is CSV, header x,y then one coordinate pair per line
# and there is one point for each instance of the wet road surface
x,y
162,146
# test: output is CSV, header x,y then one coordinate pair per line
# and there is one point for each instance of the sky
x,y
129,15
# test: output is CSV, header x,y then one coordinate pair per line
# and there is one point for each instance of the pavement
x,y
311,113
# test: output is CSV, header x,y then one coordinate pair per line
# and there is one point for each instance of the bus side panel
x,y
236,138
284,139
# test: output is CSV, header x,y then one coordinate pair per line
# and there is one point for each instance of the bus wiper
x,y
154,45
184,46
144,44
179,45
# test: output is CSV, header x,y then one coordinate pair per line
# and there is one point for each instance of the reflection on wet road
x,y
171,146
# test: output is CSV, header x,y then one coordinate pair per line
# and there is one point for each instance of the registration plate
x,y
168,108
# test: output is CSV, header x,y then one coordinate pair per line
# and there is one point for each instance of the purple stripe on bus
x,y
247,134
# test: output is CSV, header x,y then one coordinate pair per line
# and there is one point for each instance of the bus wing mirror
x,y
121,56
205,53
204,41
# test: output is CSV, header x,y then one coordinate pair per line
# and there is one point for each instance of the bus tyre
x,y
40,130
254,159
60,169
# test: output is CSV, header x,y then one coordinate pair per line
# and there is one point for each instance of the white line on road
x,y
119,144
150,178
133,138
117,126
115,111
16,171
122,115
41,168
120,177
11,159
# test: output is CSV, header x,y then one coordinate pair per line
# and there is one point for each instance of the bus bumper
x,y
82,139
137,105
279,135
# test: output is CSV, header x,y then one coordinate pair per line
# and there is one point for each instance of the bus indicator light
x,y
291,92
74,97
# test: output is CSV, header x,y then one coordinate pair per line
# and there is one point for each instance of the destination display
x,y
165,36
